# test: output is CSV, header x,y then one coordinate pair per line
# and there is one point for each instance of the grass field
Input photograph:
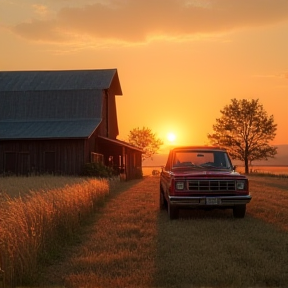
x,y
283,170
19,186
266,169
132,244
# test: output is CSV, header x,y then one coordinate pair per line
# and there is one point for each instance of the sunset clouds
x,y
142,20
179,61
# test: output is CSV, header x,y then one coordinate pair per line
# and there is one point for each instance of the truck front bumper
x,y
220,201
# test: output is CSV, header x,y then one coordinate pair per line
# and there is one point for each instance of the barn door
x,y
49,162
10,163
24,163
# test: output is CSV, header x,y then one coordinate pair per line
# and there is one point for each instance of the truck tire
x,y
173,212
239,211
162,201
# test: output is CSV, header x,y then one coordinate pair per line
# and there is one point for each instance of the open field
x,y
132,244
266,169
283,170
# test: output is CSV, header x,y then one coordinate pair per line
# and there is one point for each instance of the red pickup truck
x,y
202,177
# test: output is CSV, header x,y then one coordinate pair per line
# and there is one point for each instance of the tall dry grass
x,y
39,222
20,186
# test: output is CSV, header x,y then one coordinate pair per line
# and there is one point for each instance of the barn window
x,y
97,158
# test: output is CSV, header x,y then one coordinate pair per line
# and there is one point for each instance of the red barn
x,y
56,121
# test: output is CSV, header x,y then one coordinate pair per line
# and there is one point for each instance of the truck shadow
x,y
205,214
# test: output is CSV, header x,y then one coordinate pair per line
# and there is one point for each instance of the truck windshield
x,y
203,159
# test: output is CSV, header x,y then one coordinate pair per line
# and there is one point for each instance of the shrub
x,y
98,170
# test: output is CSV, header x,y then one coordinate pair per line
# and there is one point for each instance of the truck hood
x,y
205,173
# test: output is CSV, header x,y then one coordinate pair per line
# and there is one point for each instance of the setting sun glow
x,y
171,137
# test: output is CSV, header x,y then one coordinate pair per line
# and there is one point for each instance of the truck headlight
x,y
240,184
180,185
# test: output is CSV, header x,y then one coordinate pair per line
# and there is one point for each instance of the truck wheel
x,y
173,212
162,201
239,211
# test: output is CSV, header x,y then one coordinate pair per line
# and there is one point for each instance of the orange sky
x,y
179,61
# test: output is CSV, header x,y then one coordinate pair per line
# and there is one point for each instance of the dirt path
x,y
118,248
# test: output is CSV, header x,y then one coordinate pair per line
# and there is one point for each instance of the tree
x,y
146,140
245,130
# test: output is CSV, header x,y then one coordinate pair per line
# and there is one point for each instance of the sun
x,y
171,137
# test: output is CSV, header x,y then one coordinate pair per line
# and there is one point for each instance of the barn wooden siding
x,y
34,157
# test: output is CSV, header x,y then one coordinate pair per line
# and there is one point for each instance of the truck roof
x,y
199,148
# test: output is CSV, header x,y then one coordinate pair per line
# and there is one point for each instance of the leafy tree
x,y
245,130
146,140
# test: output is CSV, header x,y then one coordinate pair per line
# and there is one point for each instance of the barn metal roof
x,y
37,105
59,80
53,104
48,129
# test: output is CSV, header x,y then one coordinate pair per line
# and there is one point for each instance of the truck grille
x,y
211,185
